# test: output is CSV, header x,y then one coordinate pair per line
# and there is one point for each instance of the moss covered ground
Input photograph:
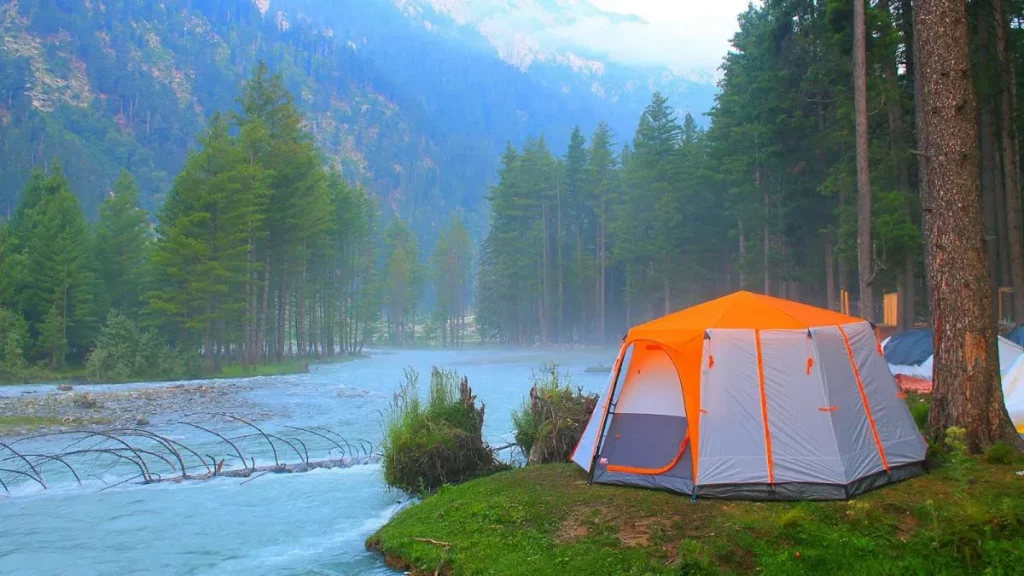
x,y
539,520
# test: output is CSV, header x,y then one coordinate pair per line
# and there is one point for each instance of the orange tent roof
x,y
744,310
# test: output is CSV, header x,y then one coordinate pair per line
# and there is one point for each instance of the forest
x,y
259,254
793,190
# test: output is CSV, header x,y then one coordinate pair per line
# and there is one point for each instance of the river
x,y
310,523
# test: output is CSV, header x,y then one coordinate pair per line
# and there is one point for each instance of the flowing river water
x,y
310,523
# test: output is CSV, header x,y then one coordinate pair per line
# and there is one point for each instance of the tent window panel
x,y
856,441
652,385
732,440
803,443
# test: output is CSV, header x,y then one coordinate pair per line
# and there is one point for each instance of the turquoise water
x,y
311,523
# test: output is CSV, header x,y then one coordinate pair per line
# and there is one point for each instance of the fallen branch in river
x,y
157,458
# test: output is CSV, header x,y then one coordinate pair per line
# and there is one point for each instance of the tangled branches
x,y
162,458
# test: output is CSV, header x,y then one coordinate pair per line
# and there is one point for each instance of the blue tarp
x,y
1017,336
911,348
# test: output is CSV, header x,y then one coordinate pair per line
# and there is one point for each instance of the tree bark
x,y
967,390
865,262
1011,157
990,173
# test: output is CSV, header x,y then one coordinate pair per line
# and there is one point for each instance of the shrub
x,y
550,422
123,352
794,519
1000,453
695,559
429,445
13,342
960,463
919,408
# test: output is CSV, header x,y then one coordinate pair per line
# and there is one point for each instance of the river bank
x,y
79,375
31,408
548,520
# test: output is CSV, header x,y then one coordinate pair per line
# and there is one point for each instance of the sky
x,y
689,36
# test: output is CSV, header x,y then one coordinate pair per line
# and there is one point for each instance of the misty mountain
x,y
413,99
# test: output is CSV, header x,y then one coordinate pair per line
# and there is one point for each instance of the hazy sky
x,y
691,36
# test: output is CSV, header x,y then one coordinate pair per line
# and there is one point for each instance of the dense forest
x,y
772,197
260,254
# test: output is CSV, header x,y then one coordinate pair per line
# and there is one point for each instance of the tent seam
x,y
864,398
824,389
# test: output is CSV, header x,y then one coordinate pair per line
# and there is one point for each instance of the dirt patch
x,y
572,529
638,534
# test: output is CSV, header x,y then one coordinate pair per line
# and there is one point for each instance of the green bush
x,y
695,559
428,445
919,407
794,519
13,341
549,423
1000,453
124,352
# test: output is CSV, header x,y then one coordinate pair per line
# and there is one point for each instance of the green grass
x,y
277,369
17,424
546,520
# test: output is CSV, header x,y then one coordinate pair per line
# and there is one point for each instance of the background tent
x,y
910,353
910,357
1016,336
749,396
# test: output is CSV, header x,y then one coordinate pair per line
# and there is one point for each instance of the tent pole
x,y
608,412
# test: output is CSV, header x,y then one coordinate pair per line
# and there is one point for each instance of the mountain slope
x,y
404,97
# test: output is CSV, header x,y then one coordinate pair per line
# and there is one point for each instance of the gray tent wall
x,y
791,418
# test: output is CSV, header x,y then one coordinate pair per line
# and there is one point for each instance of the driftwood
x,y
158,458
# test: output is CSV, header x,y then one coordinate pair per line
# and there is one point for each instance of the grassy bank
x,y
73,375
547,520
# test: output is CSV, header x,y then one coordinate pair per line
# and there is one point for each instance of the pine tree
x,y
121,238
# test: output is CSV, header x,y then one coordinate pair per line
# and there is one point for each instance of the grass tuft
x,y
549,423
428,445
1001,453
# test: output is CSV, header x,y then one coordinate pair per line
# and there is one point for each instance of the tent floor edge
x,y
795,491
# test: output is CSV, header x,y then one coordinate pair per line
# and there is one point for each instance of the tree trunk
x,y
989,161
301,340
743,256
261,330
544,273
865,261
908,301
898,149
767,246
282,308
967,390
602,312
830,275
922,185
1011,157
561,290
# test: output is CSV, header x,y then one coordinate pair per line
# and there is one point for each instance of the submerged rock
x,y
64,387
142,421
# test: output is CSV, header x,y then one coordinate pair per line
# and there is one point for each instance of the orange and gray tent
x,y
752,397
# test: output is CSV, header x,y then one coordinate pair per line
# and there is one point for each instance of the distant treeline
x,y
624,228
